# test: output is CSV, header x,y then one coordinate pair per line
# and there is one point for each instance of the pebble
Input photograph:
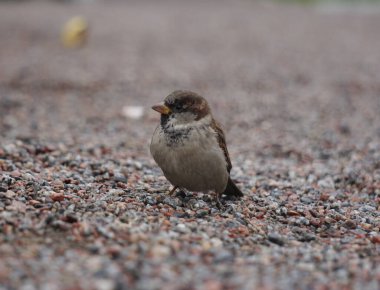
x,y
327,182
350,224
160,251
181,228
9,194
57,196
133,112
276,239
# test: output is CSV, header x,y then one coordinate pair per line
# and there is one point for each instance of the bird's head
x,y
182,107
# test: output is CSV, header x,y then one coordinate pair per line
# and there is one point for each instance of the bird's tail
x,y
232,189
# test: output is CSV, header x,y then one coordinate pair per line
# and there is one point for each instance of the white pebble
x,y
133,112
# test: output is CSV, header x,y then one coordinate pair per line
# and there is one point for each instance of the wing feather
x,y
222,143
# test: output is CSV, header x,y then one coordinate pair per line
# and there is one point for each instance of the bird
x,y
190,147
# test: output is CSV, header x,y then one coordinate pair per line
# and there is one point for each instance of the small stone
x,y
9,194
324,196
104,284
61,225
216,242
303,221
327,182
16,206
58,184
213,285
206,245
283,211
105,232
315,222
293,213
350,224
160,251
276,239
182,228
15,174
367,227
57,196
201,213
133,112
223,256
306,237
29,177
306,200
120,178
171,201
34,202
114,251
70,218
375,239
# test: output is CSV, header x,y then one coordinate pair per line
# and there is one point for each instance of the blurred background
x,y
297,68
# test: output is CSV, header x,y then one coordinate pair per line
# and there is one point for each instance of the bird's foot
x,y
173,190
219,204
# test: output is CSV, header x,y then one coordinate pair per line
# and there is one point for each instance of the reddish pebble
x,y
15,173
375,239
324,196
56,196
33,202
293,213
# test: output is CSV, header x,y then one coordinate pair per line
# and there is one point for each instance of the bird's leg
x,y
173,190
218,203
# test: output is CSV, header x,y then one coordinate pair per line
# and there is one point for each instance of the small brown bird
x,y
190,147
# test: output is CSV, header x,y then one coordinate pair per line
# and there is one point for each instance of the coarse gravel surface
x,y
84,206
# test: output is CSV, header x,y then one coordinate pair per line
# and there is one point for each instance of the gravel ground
x,y
82,204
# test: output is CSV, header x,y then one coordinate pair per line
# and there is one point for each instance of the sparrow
x,y
190,147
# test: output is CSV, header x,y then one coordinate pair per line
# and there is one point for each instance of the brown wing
x,y
222,143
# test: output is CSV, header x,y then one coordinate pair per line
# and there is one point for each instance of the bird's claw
x,y
219,205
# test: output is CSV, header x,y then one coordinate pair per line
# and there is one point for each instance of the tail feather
x,y
232,189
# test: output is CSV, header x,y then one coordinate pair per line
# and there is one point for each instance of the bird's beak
x,y
161,108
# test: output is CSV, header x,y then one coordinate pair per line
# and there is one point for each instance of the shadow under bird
x,y
190,147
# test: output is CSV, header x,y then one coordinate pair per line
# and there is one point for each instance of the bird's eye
x,y
178,107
